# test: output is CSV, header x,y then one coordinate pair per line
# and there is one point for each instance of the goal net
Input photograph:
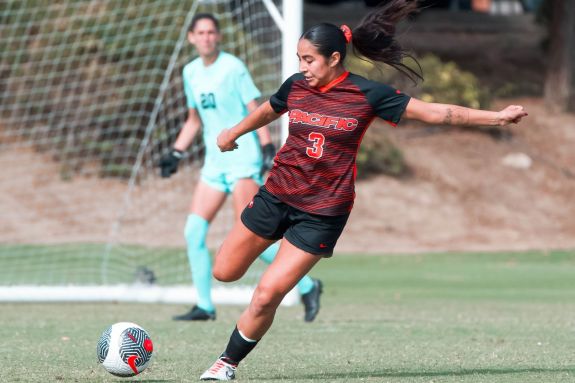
x,y
91,98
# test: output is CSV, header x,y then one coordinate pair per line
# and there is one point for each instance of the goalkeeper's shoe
x,y
196,313
220,370
311,301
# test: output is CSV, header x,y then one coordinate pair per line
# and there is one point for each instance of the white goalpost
x,y
91,98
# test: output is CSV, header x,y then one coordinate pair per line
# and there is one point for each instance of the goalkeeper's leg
x,y
205,204
200,261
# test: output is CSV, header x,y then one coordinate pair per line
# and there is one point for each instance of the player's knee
x,y
266,299
224,273
195,231
224,270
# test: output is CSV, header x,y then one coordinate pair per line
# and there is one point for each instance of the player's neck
x,y
210,59
337,73
334,75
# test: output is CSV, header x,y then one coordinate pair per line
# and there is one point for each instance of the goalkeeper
x,y
220,93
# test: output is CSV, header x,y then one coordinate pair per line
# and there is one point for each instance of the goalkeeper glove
x,y
268,155
169,162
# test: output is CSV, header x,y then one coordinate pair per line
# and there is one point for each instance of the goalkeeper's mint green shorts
x,y
226,181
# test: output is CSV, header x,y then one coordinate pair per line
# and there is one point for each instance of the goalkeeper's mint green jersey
x,y
220,93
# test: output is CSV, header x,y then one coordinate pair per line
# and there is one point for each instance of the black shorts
x,y
270,218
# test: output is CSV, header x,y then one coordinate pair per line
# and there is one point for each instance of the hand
x,y
511,114
169,162
226,142
268,155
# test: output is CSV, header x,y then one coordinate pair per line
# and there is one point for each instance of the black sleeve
x,y
279,100
388,103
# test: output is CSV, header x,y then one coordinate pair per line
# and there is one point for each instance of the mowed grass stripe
x,y
425,318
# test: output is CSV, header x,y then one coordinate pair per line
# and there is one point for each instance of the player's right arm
x,y
169,162
263,115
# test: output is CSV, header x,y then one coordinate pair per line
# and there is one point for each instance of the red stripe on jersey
x,y
315,169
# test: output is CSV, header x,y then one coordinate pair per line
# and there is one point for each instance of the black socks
x,y
238,348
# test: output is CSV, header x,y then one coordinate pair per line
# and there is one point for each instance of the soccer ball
x,y
125,349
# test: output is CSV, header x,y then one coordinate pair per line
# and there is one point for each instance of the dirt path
x,y
461,196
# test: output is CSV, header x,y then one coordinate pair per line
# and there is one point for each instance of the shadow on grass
x,y
388,373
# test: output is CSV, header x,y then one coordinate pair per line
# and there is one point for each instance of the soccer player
x,y
220,93
309,193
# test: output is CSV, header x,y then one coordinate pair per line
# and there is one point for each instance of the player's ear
x,y
334,59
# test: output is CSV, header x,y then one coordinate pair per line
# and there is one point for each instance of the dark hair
x,y
327,38
373,38
200,16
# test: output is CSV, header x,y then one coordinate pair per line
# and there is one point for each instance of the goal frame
x,y
289,21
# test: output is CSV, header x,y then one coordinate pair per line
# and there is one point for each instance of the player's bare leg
x,y
309,288
290,265
241,246
239,250
280,277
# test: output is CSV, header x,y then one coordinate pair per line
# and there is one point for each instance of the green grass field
x,y
433,318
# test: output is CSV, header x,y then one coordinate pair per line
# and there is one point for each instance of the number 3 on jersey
x,y
316,150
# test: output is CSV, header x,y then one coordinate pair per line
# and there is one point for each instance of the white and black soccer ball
x,y
125,349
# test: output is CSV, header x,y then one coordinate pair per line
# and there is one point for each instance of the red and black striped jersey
x,y
314,171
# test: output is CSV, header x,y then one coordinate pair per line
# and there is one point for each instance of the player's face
x,y
316,68
205,37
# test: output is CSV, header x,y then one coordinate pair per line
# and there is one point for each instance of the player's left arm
x,y
434,113
261,116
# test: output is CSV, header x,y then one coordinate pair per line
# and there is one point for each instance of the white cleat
x,y
220,370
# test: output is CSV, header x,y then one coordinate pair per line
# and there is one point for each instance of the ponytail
x,y
374,37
